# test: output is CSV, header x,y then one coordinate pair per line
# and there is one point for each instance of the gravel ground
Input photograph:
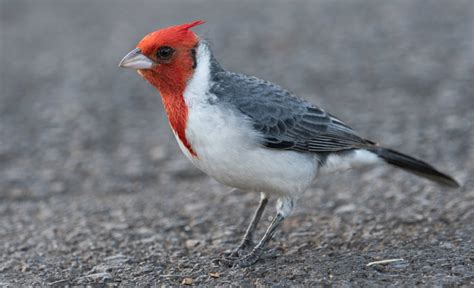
x,y
93,189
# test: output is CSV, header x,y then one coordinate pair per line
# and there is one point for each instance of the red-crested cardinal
x,y
249,133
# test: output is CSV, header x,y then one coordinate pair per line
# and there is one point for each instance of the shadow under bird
x,y
249,133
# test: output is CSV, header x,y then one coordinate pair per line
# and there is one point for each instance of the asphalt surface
x,y
94,190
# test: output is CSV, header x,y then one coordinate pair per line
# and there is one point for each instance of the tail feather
x,y
415,166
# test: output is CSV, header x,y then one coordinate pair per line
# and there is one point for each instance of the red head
x,y
166,59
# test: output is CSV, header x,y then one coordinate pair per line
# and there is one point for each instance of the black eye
x,y
164,52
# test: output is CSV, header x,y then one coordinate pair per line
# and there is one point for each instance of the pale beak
x,y
136,60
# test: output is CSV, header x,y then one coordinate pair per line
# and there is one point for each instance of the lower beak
x,y
136,60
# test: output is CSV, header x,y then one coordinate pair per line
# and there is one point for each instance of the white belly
x,y
228,150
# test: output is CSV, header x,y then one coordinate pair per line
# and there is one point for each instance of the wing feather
x,y
283,120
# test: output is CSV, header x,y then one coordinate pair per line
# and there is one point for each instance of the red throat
x,y
175,106
177,111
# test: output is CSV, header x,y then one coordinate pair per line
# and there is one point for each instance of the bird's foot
x,y
245,246
230,257
242,261
248,259
258,254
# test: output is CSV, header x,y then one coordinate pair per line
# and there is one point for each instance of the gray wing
x,y
285,121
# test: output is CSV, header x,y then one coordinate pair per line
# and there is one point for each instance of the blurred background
x,y
85,146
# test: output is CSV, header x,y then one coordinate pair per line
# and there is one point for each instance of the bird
x,y
251,134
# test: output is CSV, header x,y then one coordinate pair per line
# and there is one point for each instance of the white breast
x,y
228,150
228,147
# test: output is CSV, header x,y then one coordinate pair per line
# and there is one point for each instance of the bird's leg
x,y
247,241
284,208
257,251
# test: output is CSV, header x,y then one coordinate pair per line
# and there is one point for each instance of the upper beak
x,y
136,60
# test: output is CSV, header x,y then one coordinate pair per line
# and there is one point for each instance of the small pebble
x,y
192,243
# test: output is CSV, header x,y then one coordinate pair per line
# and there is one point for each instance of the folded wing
x,y
285,121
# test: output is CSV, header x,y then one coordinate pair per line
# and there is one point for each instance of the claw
x,y
249,259
231,260
244,246
227,261
246,261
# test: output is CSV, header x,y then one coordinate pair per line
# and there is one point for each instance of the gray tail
x,y
415,166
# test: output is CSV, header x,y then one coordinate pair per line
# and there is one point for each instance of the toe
x,y
248,260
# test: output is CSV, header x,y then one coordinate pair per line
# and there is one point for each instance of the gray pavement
x,y
94,190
